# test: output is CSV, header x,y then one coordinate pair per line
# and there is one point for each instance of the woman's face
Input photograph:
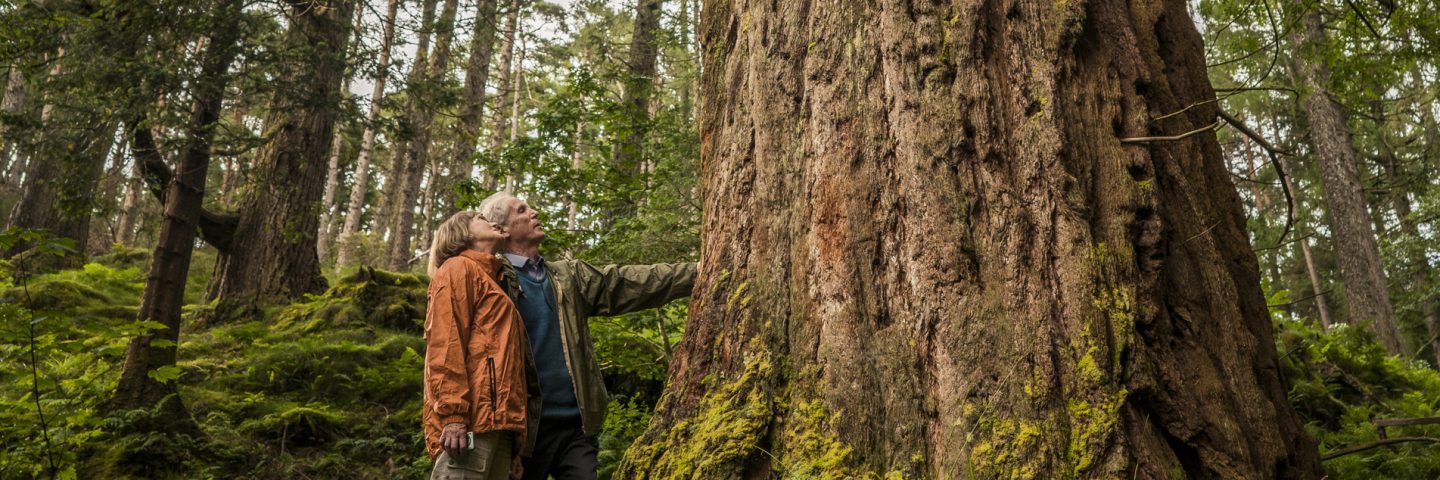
x,y
483,230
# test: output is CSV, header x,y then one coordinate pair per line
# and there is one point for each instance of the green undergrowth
x,y
329,387
1341,382
325,387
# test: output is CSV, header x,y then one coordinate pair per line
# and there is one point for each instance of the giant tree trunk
x,y
629,152
927,253
1356,250
472,108
170,264
361,184
275,259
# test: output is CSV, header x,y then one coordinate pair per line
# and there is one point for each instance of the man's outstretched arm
x,y
619,289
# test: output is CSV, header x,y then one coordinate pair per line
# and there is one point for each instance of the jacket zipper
x,y
490,365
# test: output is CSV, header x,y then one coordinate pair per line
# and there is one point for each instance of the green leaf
x,y
165,374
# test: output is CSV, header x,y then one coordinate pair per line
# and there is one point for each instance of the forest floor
x,y
329,386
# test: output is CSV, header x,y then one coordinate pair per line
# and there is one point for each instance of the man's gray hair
x,y
496,207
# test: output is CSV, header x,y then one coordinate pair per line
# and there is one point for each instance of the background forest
x,y
316,144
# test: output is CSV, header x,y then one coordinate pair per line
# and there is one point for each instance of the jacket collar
x,y
486,260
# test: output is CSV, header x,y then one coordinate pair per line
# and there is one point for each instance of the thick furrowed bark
x,y
280,217
927,252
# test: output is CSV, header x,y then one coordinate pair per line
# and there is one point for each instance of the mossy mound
x,y
94,290
374,297
122,257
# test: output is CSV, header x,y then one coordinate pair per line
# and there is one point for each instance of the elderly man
x,y
555,300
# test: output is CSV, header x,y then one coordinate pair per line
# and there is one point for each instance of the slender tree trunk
x,y
427,200
1271,260
1357,252
926,253
234,174
472,108
15,104
429,75
355,206
629,156
424,147
504,94
125,226
513,172
279,217
402,169
165,286
1316,289
686,87
572,217
328,208
1417,257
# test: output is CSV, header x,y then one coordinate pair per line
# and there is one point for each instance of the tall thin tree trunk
x,y
328,208
280,216
427,200
1316,289
687,86
927,253
1357,252
165,286
1399,197
431,75
1262,209
361,186
125,226
572,217
501,116
403,171
513,172
629,155
16,103
472,107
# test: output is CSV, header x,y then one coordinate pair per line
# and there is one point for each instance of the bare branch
x,y
1279,169
1142,140
1376,444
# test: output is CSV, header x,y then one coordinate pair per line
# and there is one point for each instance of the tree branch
x,y
216,229
1138,140
1376,444
1279,169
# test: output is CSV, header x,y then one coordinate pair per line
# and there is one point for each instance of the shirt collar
x,y
521,261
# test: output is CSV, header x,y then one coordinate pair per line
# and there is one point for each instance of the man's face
x,y
524,225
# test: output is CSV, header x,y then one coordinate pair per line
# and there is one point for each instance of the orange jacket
x,y
478,364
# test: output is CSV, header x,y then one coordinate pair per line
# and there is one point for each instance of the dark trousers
x,y
562,451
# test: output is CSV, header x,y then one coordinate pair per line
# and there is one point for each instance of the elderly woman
x,y
479,372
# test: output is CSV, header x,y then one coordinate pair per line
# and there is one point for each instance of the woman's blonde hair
x,y
451,238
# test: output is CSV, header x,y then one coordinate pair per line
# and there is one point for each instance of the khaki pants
x,y
489,460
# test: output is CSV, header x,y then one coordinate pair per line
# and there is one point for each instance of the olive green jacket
x,y
582,291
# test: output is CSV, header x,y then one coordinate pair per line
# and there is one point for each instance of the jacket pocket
x,y
490,368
